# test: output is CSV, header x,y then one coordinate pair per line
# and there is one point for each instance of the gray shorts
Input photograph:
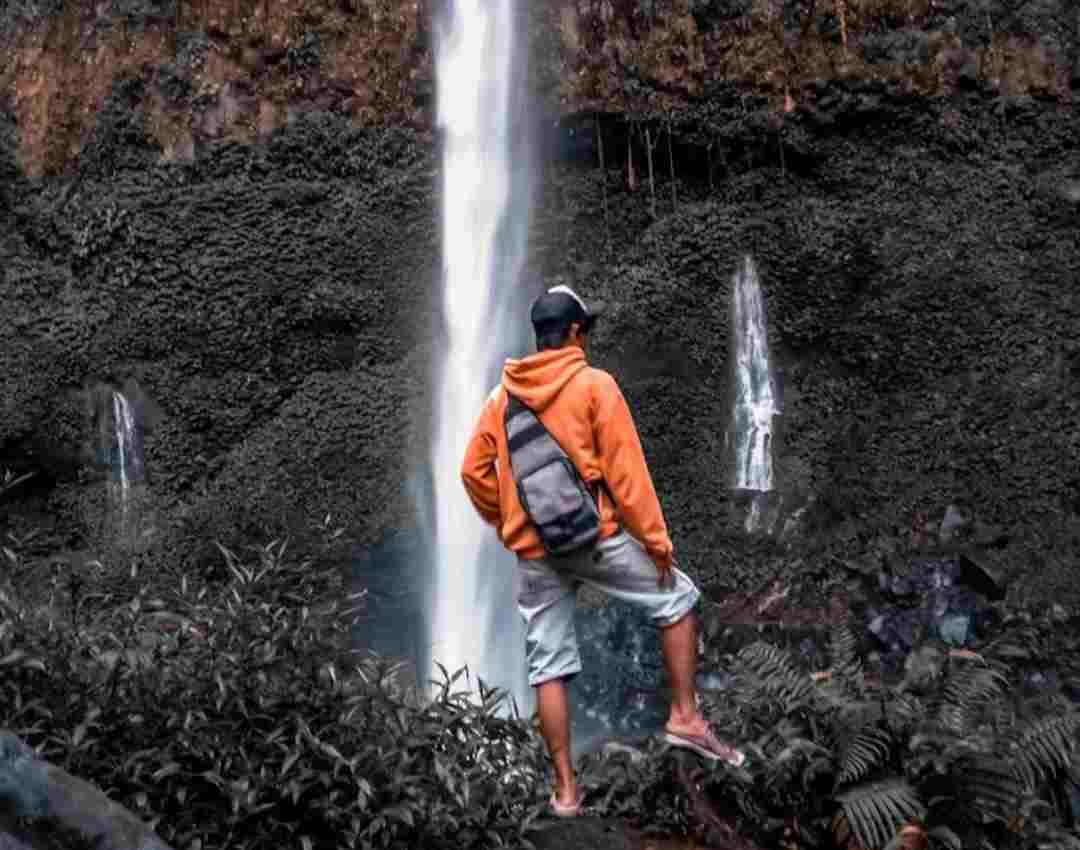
x,y
618,566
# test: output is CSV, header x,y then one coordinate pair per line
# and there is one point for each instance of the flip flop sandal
x,y
707,746
561,811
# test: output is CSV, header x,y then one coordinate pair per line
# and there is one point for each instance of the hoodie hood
x,y
538,378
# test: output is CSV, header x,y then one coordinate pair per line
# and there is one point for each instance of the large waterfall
x,y
755,397
485,208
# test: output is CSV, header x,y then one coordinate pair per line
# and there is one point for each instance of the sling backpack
x,y
548,484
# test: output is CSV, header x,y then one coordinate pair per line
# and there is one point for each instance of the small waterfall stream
x,y
755,394
128,470
128,454
485,209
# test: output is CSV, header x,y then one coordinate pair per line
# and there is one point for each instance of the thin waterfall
x,y
485,209
755,396
128,467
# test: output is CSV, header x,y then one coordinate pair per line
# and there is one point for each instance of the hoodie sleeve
x,y
478,470
626,474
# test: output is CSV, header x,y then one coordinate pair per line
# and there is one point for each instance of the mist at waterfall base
x,y
621,692
486,202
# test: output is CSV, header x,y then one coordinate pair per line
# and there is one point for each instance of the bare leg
x,y
679,644
555,727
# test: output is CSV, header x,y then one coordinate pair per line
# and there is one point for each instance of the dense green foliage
x,y
957,749
230,714
228,711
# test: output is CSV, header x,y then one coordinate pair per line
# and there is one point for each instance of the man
x,y
584,411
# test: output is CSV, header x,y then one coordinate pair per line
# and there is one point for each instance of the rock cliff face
x,y
219,71
235,205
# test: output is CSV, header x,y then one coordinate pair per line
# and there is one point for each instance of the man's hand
x,y
665,578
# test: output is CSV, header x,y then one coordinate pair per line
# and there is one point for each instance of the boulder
x,y
10,842
981,577
939,598
622,688
50,800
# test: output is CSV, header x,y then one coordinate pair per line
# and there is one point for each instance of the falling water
x,y
485,211
127,466
755,400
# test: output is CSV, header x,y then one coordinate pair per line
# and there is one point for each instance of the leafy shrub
x,y
955,752
232,713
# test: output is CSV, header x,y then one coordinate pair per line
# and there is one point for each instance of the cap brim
x,y
596,311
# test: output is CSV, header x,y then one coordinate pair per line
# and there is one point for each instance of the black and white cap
x,y
561,305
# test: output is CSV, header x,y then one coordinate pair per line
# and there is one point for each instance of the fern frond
x,y
968,693
868,751
876,810
1045,747
1013,645
988,786
904,710
846,664
853,716
764,659
770,669
943,837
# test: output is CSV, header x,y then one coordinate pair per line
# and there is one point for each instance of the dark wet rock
x,y
622,688
981,577
10,842
390,578
594,833
921,576
945,599
46,798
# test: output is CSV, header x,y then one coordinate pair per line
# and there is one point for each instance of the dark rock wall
x,y
919,261
265,298
271,289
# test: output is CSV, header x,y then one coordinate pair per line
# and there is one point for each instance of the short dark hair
x,y
551,335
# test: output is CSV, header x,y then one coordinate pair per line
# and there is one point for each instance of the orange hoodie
x,y
589,418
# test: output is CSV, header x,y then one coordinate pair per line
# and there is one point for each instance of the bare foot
x,y
696,725
566,803
697,735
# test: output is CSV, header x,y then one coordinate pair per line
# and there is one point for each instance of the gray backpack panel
x,y
549,486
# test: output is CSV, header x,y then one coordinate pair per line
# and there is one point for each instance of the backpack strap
x,y
519,436
514,408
